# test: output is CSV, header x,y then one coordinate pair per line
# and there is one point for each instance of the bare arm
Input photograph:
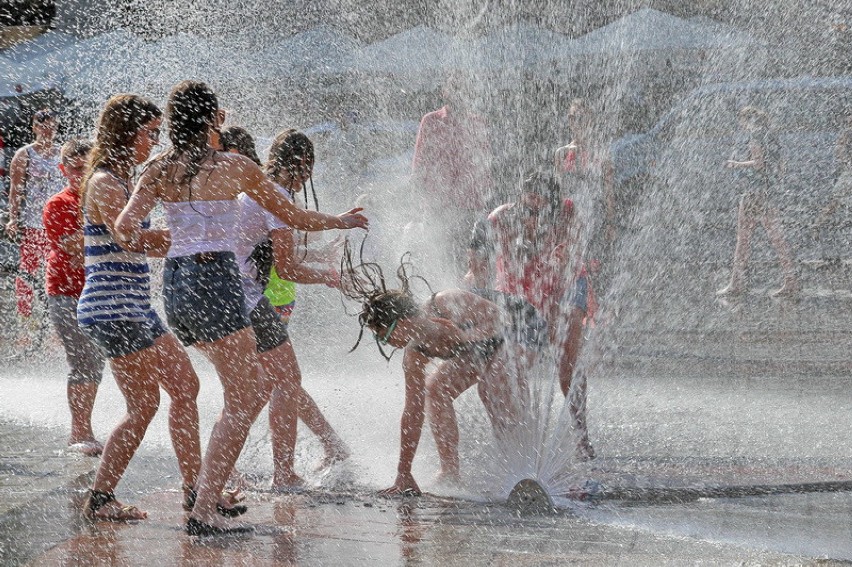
x,y
289,267
128,222
154,242
72,244
477,272
257,186
105,200
411,424
17,177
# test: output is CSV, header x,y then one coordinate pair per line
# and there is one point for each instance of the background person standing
x,y
34,178
64,279
452,169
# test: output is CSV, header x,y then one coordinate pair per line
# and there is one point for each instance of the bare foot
x,y
787,290
730,290
115,511
333,455
288,484
397,491
88,447
452,478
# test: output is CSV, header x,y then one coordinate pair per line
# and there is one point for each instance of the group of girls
x,y
208,302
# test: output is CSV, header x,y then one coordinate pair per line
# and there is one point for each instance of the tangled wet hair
x,y
380,307
287,151
239,139
121,119
191,114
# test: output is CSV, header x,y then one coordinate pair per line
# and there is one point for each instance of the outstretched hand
x,y
353,219
405,485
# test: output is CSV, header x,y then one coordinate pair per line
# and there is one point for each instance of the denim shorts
x,y
203,297
269,330
578,295
120,338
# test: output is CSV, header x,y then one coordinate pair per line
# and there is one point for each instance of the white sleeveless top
x,y
42,180
202,226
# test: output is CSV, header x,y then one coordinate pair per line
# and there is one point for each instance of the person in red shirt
x,y
452,167
64,278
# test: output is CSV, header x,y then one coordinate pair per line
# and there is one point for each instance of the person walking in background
x,y
836,216
64,279
452,168
585,164
758,168
34,178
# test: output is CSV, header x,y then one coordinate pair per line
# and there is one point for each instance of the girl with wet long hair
x,y
203,294
114,309
266,249
466,333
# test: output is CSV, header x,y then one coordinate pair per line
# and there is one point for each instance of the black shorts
x,y
270,330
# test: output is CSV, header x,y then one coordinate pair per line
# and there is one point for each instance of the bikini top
x,y
483,347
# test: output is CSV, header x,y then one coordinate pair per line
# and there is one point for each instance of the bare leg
x,y
236,362
443,386
502,395
142,396
575,394
745,228
772,223
282,368
81,400
179,380
570,346
309,412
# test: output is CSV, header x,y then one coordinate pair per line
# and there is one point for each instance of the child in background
x,y
64,279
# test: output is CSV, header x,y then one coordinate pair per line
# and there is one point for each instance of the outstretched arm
x,y
257,186
411,424
17,178
291,268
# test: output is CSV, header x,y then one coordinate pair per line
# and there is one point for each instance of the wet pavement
x,y
42,489
679,418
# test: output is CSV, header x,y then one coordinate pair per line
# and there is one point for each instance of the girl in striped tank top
x,y
115,311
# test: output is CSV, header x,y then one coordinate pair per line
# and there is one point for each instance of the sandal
x,y
97,500
227,511
198,528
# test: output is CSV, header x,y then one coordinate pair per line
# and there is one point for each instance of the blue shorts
x,y
270,331
578,295
121,338
203,297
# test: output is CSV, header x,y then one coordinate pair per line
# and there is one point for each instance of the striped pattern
x,y
118,286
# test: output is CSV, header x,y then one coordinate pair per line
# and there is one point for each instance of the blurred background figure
x,y
756,163
452,170
34,178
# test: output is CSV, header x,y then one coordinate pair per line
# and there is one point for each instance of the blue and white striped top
x,y
118,286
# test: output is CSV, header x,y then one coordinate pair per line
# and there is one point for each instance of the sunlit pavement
x,y
351,530
41,524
